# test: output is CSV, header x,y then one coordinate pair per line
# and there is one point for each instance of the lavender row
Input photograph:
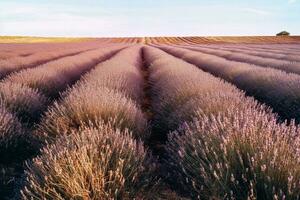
x,y
284,65
273,87
10,50
18,63
225,144
24,96
256,52
96,129
280,48
55,76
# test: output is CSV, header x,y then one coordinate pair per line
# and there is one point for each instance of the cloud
x,y
58,20
257,11
292,1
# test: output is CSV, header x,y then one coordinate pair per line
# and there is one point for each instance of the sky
x,y
130,18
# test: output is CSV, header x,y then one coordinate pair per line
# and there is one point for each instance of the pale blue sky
x,y
148,17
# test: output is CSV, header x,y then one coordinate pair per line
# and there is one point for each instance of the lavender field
x,y
150,118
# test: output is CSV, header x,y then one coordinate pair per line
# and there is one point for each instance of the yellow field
x,y
25,39
158,40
